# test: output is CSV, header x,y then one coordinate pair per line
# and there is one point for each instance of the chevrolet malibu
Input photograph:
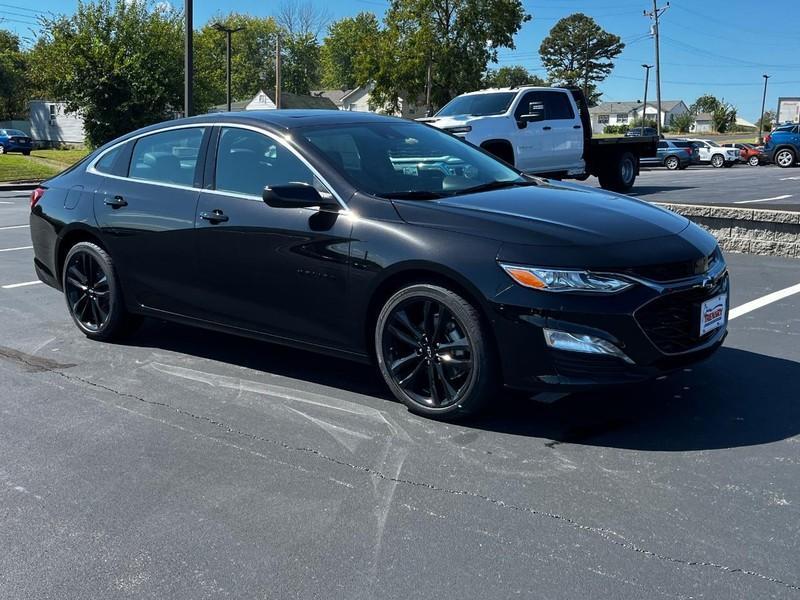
x,y
379,240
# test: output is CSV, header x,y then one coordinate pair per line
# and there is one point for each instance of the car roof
x,y
291,119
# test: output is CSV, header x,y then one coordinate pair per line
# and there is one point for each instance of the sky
x,y
721,47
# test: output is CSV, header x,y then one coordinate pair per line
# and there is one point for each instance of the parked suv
x,y
14,140
673,155
715,155
749,153
782,146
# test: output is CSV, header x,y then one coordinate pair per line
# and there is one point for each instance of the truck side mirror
x,y
535,113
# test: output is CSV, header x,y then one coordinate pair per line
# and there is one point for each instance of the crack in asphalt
x,y
606,534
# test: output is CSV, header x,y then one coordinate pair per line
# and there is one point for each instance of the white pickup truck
x,y
544,131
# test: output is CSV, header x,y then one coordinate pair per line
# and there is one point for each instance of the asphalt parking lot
x,y
742,186
189,464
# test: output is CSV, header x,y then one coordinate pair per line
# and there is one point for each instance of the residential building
x,y
51,125
703,123
624,113
358,99
266,101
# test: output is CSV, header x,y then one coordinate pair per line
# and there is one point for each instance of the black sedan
x,y
379,239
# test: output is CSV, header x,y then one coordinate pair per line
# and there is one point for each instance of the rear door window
x,y
558,106
167,157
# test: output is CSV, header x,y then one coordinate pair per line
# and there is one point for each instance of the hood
x,y
546,215
458,120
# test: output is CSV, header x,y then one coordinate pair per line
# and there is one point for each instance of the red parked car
x,y
750,154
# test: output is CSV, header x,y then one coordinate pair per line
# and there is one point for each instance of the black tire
x,y
93,294
411,333
728,165
785,158
753,161
502,151
672,163
619,176
26,153
718,161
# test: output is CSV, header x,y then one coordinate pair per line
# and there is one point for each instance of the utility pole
x,y
428,86
188,58
763,105
646,82
228,31
656,15
278,71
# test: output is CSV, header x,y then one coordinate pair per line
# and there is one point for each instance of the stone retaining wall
x,y
747,230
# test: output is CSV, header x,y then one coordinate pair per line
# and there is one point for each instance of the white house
x,y
266,101
51,124
703,123
624,113
358,99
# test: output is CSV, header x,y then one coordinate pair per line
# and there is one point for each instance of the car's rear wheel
x,y
2,149
93,293
672,163
619,176
718,161
785,158
753,161
434,352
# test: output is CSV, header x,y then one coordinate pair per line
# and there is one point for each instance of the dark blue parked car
x,y
14,140
782,146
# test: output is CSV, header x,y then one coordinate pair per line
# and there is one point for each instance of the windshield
x,y
407,159
712,143
478,105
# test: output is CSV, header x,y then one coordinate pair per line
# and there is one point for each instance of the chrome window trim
x,y
201,124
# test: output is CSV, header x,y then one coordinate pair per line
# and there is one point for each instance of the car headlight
x,y
457,130
564,280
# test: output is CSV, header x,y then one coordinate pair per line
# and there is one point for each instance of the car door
x,y
146,216
565,133
533,142
663,149
280,271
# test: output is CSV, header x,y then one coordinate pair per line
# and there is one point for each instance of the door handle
x,y
546,128
215,216
576,126
115,202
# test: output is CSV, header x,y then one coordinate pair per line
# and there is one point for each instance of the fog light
x,y
578,342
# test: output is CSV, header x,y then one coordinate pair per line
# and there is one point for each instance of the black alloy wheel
x,y
92,293
433,353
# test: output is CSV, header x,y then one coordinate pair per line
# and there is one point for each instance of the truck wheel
x,y
672,163
785,158
619,176
718,161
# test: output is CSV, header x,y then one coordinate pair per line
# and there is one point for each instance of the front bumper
x,y
656,325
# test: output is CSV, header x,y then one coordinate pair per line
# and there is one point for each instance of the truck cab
x,y
543,131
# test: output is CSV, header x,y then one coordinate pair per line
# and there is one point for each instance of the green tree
x,y
682,122
724,117
455,40
768,119
301,65
578,52
511,76
349,51
705,104
252,59
13,80
118,64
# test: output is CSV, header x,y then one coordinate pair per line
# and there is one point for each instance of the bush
x,y
616,129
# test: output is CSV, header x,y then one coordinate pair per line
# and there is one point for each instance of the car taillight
x,y
36,195
767,138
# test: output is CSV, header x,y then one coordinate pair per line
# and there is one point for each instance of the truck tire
x,y
501,150
619,175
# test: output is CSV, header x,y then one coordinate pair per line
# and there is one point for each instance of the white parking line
x,y
17,248
11,286
763,301
764,199
4,202
15,227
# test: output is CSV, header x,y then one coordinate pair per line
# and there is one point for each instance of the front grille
x,y
678,270
672,322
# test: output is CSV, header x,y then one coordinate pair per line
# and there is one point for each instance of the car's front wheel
x,y
718,161
753,161
785,158
434,352
93,293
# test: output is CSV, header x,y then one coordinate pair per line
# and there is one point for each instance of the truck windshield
x,y
407,160
478,105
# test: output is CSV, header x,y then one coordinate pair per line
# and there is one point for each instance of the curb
x,y
23,186
747,230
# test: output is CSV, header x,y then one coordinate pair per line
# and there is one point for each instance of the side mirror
x,y
535,113
295,195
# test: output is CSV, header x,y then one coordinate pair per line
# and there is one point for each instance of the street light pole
x,y
656,15
228,31
188,58
763,105
646,82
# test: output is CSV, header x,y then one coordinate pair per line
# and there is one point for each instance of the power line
x,y
7,20
17,7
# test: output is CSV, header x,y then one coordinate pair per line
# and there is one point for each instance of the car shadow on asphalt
x,y
736,398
